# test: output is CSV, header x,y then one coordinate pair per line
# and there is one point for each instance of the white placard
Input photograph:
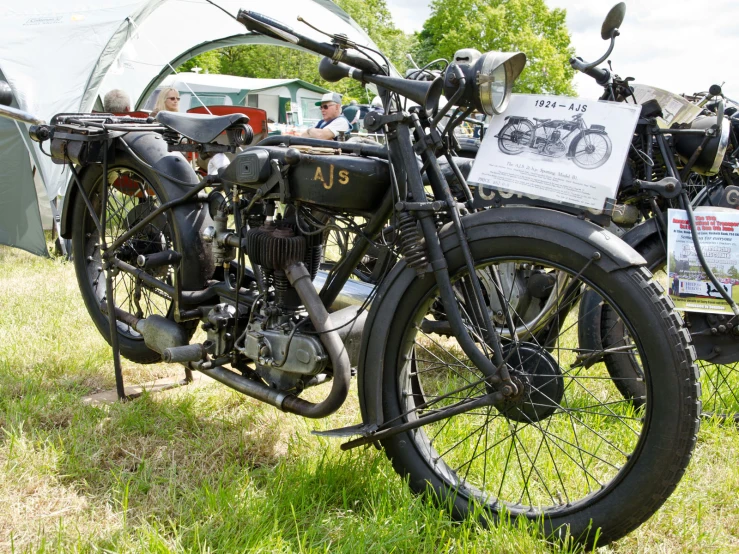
x,y
675,108
561,149
687,282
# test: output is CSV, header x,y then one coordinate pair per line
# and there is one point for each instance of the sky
x,y
678,45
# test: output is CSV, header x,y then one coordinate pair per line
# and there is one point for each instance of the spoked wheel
x,y
533,295
515,136
132,196
568,451
719,380
591,150
336,244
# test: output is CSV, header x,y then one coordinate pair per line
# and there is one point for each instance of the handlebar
x,y
601,75
259,23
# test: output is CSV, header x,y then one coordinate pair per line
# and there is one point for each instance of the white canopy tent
x,y
62,56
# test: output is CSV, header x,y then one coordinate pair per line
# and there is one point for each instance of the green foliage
x,y
527,26
273,62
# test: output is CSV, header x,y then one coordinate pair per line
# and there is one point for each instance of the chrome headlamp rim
x,y
723,144
513,63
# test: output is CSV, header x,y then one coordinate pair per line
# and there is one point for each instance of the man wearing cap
x,y
333,122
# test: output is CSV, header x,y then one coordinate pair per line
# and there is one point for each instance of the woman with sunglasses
x,y
333,121
167,101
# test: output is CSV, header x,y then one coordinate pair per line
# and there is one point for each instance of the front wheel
x,y
591,150
569,451
515,136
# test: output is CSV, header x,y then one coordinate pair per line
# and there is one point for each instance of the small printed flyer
x,y
687,282
556,148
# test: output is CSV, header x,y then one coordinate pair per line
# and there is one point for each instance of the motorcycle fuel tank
x,y
356,184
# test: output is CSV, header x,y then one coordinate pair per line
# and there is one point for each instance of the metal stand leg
x,y
188,376
120,389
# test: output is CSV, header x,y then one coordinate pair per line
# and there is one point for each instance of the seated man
x,y
333,122
351,113
116,101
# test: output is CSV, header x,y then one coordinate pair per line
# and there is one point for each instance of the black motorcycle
x,y
587,147
497,412
684,166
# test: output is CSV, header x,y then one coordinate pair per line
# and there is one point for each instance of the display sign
x,y
675,108
570,151
718,236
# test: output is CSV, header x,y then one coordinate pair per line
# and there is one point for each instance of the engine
x,y
266,328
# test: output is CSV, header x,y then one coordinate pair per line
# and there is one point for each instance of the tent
x,y
271,95
63,56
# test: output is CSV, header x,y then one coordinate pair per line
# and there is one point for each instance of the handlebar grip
x,y
601,75
259,23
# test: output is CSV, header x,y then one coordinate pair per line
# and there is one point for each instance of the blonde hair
x,y
159,106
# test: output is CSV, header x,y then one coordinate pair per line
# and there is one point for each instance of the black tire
x,y
133,193
515,136
572,454
719,382
591,150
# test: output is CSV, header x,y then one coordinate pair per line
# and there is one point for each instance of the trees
x,y
506,25
274,62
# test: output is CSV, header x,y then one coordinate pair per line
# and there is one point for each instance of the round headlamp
x,y
709,160
489,78
494,78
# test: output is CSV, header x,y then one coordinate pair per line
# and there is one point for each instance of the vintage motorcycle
x,y
684,166
587,147
503,417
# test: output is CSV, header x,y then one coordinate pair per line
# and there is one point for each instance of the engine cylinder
x,y
274,247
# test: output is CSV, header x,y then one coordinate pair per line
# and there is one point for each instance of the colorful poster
x,y
565,150
687,282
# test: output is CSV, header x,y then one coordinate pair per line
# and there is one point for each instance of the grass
x,y
208,470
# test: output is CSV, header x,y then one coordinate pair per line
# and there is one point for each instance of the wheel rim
x,y
580,435
516,138
130,199
591,150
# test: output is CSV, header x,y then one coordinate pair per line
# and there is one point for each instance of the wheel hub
x,y
538,379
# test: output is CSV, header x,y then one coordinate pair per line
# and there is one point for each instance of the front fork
x,y
403,155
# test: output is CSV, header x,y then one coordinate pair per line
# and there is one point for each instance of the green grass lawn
x,y
207,470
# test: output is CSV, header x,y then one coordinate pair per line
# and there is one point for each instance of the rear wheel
x,y
515,136
132,195
569,451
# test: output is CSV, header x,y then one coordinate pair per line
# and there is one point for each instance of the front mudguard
x,y
554,229
188,220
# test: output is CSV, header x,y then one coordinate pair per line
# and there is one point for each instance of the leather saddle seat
x,y
200,127
541,120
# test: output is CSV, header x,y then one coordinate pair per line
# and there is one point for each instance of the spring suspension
x,y
411,243
171,137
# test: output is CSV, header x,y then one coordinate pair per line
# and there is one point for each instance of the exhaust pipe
x,y
325,324
340,334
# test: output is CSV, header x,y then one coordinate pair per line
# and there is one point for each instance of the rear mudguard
x,y
551,228
188,220
514,118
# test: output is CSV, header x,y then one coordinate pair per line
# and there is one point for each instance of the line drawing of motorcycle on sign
x,y
587,147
